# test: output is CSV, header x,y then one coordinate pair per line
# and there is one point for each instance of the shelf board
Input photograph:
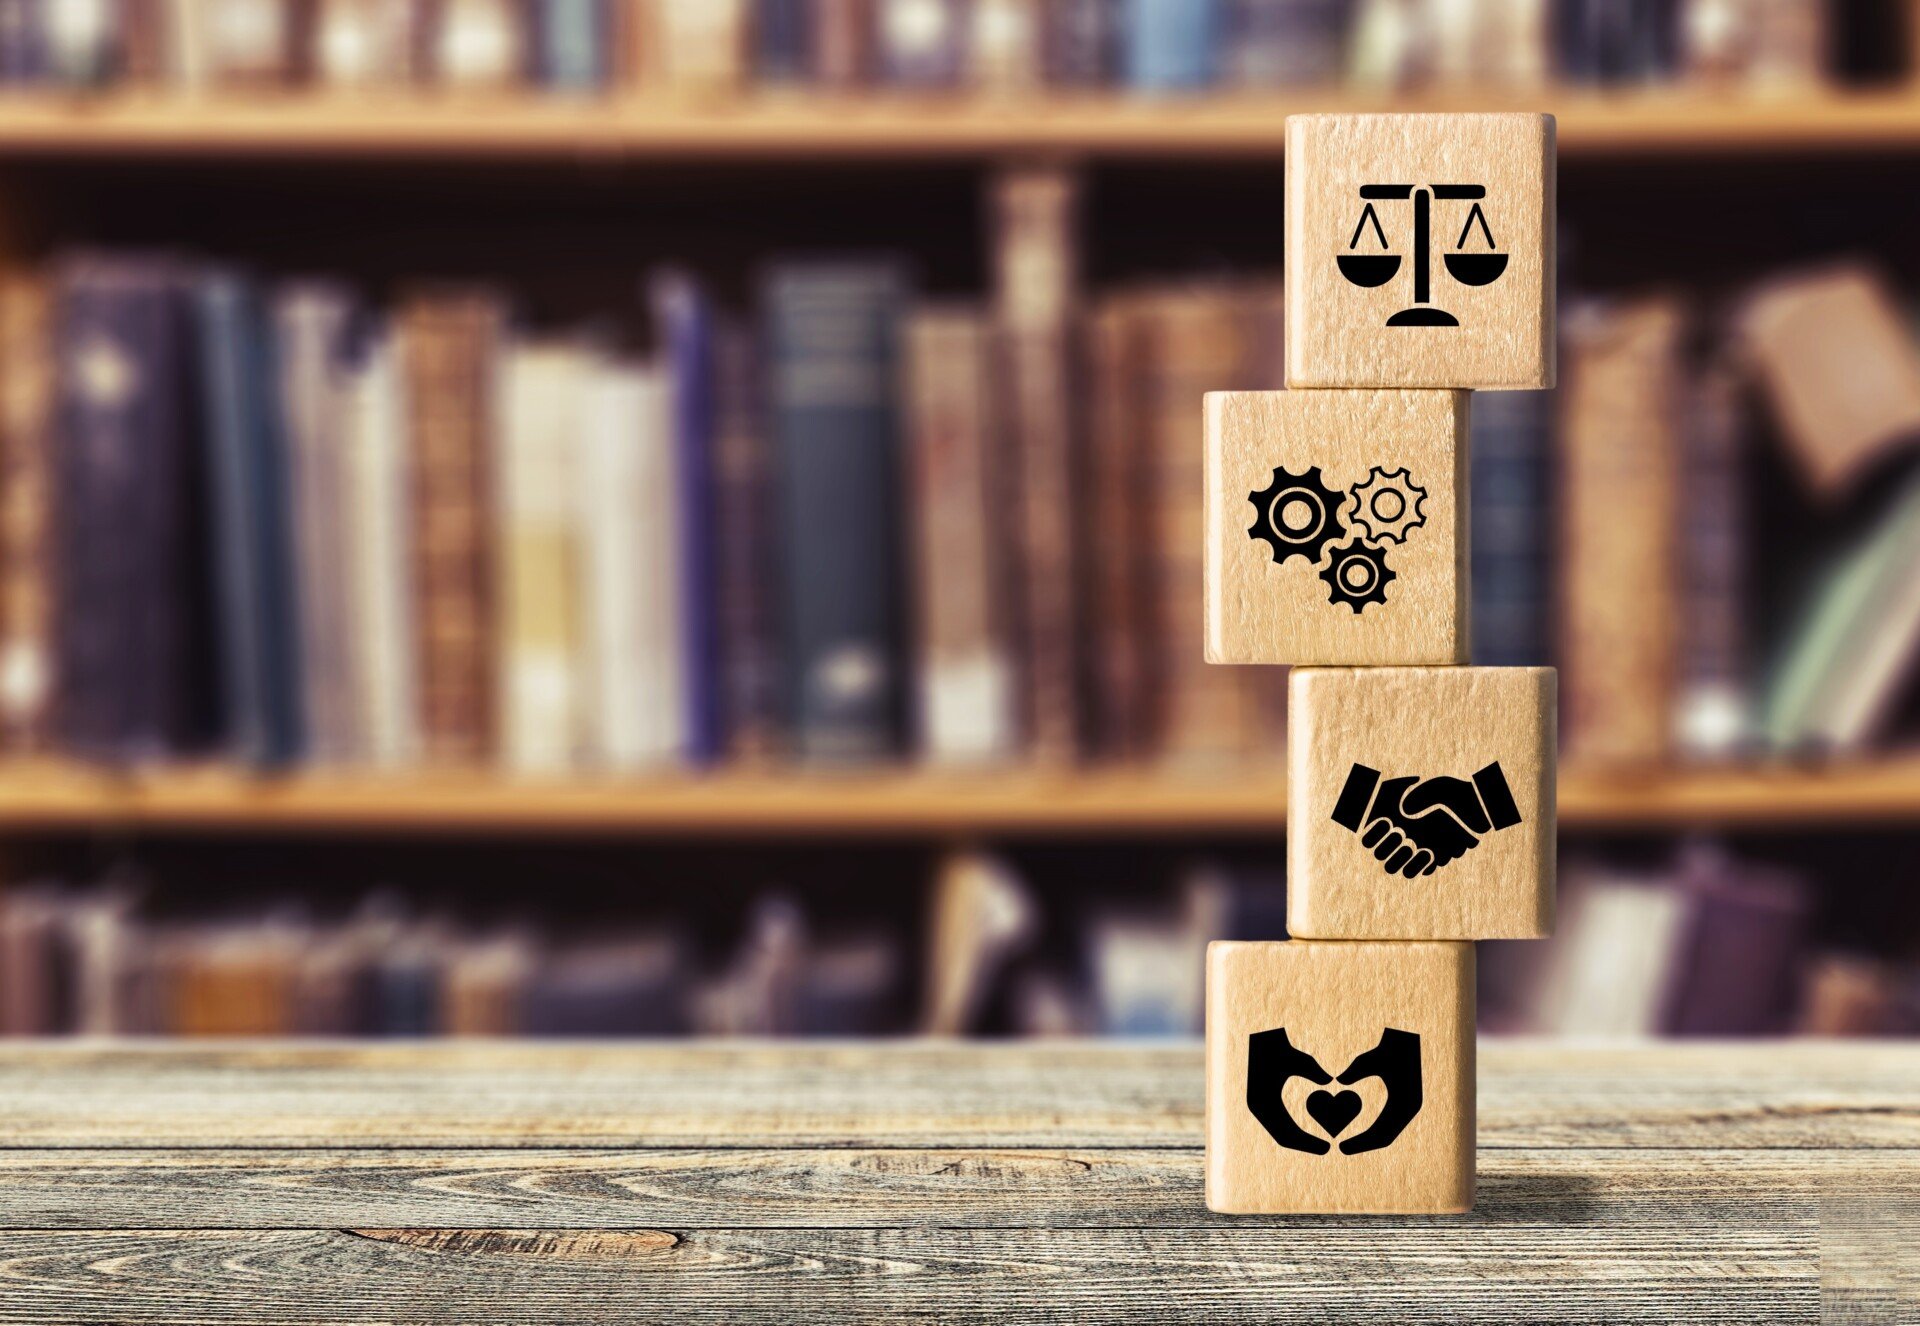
x,y
63,798
797,125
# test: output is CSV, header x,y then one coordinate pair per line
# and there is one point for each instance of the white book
x,y
380,559
538,497
630,556
478,44
1614,955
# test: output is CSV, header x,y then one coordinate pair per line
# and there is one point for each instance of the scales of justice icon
x,y
1482,267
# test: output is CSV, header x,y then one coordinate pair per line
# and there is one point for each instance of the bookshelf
x,y
882,804
1643,123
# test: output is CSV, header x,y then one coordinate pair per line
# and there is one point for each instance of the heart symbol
x,y
1333,1111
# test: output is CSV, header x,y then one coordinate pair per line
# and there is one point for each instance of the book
x,y
33,986
1079,42
253,523
313,322
571,42
1736,961
1284,43
23,43
253,43
1848,993
1120,575
981,914
1840,368
81,41
966,698
1711,712
1002,47
136,664
362,44
744,551
1619,508
1035,260
633,985
832,343
921,43
540,719
27,456
379,548
449,347
484,981
843,42
701,49
1613,958
479,44
782,42
1171,45
630,543
1510,558
684,323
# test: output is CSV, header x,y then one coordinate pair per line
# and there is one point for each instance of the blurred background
x,y
683,516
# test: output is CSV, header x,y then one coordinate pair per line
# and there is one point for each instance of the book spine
x,y
703,47
479,44
1284,43
382,567
1003,47
1171,44
843,42
23,43
1079,42
127,663
1121,576
685,323
1712,715
783,41
449,346
744,547
921,42
26,513
832,337
965,689
1511,433
570,40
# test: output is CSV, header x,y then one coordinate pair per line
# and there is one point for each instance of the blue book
x,y
1171,45
135,664
684,320
251,523
832,346
783,40
570,41
1511,433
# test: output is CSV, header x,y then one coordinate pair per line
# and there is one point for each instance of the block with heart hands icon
x,y
1339,1077
1420,251
1420,803
1336,527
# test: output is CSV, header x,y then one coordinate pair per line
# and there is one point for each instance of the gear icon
x,y
1299,515
1388,504
1357,575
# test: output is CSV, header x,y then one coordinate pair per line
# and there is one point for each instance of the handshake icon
x,y
1414,826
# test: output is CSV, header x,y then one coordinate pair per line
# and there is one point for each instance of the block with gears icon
x,y
1335,527
1420,803
1340,1078
1420,251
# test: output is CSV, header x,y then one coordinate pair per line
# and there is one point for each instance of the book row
x,y
574,46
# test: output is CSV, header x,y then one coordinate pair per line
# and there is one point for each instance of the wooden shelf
x,y
60,798
769,125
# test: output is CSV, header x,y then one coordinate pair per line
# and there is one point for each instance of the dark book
x,y
783,41
630,986
832,344
1511,434
135,660
1736,965
744,548
685,326
1171,45
252,526
1713,718
23,42
1079,42
1285,43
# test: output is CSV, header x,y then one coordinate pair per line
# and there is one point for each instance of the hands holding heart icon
x,y
1273,1060
1415,826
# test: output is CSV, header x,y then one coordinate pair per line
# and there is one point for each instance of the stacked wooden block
x,y
1420,804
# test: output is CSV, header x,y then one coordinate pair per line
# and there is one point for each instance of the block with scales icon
x,y
1420,250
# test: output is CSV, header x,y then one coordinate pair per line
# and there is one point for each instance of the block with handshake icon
x,y
1420,803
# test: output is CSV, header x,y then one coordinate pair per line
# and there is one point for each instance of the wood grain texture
x,y
1336,527
914,1093
1678,1183
1499,328
1364,748
1335,1003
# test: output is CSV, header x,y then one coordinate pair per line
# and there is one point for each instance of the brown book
x,y
842,43
966,664
26,566
1619,489
1035,258
256,43
1840,366
1116,573
450,349
235,980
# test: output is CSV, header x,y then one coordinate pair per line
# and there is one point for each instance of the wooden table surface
x,y
739,1183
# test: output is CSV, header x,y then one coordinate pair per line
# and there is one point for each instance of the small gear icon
x,y
1388,504
1299,515
1358,575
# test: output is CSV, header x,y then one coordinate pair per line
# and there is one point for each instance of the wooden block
x,y
1420,251
1336,533
1339,1077
1420,803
